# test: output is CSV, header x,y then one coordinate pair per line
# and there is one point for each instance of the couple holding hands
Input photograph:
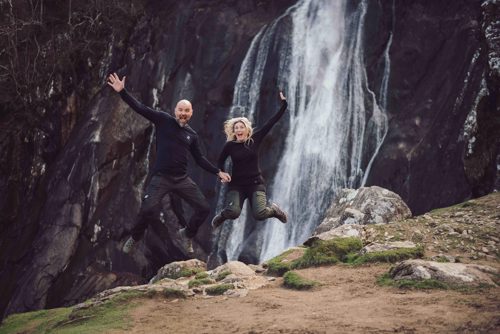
x,y
174,140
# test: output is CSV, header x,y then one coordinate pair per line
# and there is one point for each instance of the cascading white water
x,y
245,100
336,124
332,127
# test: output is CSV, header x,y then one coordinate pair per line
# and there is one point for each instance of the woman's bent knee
x,y
262,214
231,213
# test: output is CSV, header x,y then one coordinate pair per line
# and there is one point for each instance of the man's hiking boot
x,y
186,241
129,245
278,213
217,221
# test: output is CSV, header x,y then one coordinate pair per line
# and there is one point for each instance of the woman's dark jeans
x,y
258,202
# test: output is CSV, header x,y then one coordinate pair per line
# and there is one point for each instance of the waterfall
x,y
245,100
337,124
333,128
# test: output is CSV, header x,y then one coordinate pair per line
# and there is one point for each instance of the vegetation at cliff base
x,y
293,280
218,289
388,256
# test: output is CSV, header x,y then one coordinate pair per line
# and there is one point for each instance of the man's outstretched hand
x,y
115,82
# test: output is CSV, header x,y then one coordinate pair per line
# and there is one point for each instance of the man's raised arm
x,y
118,85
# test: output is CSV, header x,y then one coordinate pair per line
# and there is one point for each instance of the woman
x,y
246,181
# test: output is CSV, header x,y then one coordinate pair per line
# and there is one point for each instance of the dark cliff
x,y
443,93
75,159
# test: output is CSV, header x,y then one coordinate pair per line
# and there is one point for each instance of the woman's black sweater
x,y
245,155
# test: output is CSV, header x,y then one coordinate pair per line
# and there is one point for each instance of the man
x,y
174,139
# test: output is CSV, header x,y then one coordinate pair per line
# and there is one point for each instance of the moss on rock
x,y
201,274
292,280
218,289
388,256
201,281
328,252
278,265
173,293
222,275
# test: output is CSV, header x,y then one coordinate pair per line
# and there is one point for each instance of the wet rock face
x,y
73,194
441,107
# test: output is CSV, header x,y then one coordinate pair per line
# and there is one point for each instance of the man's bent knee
x,y
203,210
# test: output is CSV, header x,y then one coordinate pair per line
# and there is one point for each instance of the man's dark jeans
x,y
180,188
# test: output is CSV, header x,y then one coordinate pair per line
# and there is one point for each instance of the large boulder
x,y
343,231
235,268
240,275
179,269
452,273
366,205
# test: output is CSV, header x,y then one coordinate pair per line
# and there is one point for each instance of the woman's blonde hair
x,y
229,128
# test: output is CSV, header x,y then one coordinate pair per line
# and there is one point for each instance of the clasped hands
x,y
224,177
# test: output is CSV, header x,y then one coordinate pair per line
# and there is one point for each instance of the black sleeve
x,y
200,159
222,157
262,131
154,116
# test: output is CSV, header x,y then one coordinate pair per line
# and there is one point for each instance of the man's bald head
x,y
185,103
183,112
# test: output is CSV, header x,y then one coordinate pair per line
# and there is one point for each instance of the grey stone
x,y
454,273
174,269
349,230
366,205
377,247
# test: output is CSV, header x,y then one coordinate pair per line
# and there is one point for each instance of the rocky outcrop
x,y
174,279
452,273
366,205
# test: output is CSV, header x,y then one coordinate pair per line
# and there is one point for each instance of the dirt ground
x,y
348,301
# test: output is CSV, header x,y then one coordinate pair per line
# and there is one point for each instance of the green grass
x,y
451,209
187,272
389,256
428,284
34,322
222,275
201,274
197,282
173,293
324,252
321,252
292,280
339,250
218,289
276,266
111,314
